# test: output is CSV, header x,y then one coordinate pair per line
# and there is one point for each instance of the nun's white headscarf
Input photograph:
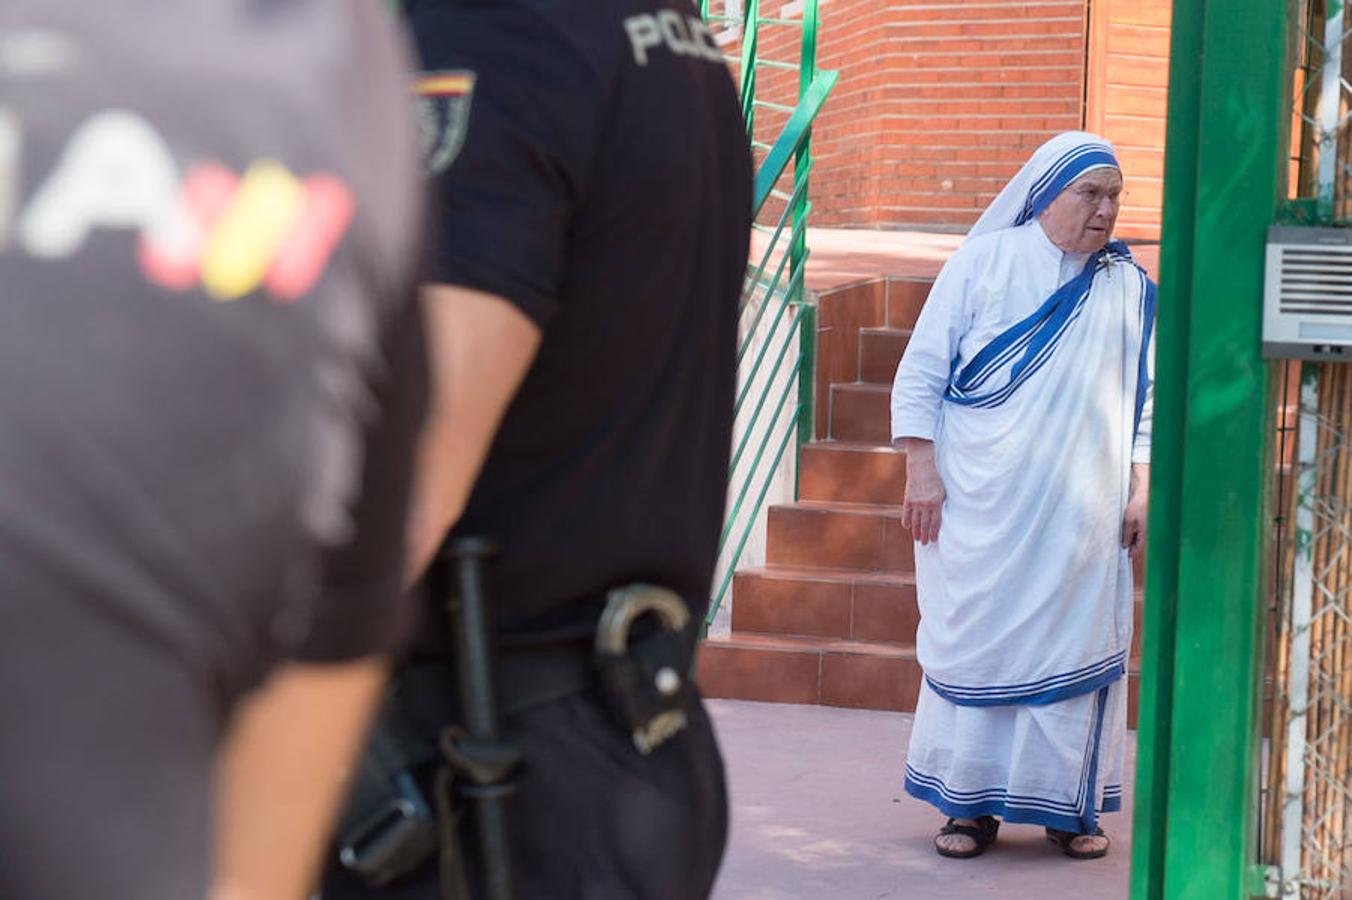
x,y
1051,169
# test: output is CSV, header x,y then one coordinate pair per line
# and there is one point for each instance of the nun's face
x,y
1081,219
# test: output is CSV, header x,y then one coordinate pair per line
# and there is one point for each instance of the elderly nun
x,y
1023,403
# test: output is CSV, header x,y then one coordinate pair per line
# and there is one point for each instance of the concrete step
x,y
860,537
838,603
905,298
841,313
829,672
834,471
860,606
861,413
880,350
777,669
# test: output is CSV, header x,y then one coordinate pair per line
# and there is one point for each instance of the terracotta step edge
x,y
831,445
847,570
786,643
862,387
818,573
845,507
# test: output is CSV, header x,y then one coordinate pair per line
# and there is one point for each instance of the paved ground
x,y
818,814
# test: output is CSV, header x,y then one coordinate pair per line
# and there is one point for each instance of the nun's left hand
x,y
1138,509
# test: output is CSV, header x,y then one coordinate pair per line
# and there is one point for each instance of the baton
x,y
490,760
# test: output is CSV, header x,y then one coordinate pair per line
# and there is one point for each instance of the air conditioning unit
x,y
1307,294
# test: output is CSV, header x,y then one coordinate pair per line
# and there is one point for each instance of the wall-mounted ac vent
x,y
1307,296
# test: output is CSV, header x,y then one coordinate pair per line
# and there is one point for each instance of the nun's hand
x,y
1138,510
922,508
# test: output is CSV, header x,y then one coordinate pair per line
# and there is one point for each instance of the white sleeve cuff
x,y
912,426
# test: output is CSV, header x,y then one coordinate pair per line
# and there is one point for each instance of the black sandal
x,y
983,832
1063,840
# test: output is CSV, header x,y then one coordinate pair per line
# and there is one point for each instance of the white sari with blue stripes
x,y
1029,369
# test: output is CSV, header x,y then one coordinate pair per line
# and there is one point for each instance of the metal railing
x,y
774,406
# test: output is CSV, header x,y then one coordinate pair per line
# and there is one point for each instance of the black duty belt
x,y
637,659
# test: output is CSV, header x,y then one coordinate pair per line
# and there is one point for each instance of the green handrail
x,y
797,131
778,314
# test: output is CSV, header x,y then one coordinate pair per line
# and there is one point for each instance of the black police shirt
x,y
211,376
592,168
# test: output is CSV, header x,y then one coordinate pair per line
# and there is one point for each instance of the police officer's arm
x,y
480,347
277,779
281,772
503,207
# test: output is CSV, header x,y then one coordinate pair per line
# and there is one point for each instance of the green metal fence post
x,y
802,164
750,42
807,352
1203,660
798,252
1153,729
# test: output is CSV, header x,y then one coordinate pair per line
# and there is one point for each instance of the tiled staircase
x,y
831,618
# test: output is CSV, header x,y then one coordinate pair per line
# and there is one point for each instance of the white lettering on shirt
x,y
673,32
643,34
116,172
682,35
702,37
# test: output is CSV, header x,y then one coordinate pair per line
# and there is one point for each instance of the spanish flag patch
x,y
444,84
444,104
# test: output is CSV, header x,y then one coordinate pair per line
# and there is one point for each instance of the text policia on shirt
x,y
202,224
682,35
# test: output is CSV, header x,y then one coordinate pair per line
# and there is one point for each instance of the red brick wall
x,y
940,101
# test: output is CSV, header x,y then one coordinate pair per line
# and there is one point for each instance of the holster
x,y
419,766
389,826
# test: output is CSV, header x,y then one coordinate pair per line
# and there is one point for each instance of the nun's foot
x,y
965,838
1080,846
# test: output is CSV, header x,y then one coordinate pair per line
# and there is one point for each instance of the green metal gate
x,y
1198,746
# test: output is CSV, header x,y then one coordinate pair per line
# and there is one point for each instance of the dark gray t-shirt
x,y
211,376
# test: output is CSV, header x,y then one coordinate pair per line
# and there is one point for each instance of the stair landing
x,y
825,671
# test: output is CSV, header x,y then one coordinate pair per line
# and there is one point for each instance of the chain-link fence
x,y
1306,829
1320,177
1309,813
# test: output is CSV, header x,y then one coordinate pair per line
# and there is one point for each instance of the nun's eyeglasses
x,y
1093,196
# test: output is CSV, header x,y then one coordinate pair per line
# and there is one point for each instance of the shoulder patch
x,y
444,101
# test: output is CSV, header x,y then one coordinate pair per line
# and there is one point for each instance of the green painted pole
x,y
1202,658
1153,729
750,40
802,168
807,378
802,164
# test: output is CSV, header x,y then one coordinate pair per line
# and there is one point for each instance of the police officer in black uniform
x,y
592,202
